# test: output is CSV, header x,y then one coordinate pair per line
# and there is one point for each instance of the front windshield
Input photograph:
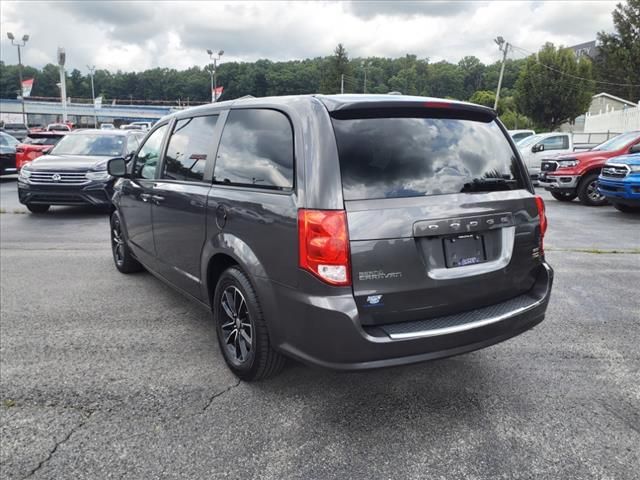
x,y
525,142
617,143
90,144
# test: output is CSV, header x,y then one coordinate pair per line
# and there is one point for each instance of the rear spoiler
x,y
433,108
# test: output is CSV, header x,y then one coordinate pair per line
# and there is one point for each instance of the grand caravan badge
x,y
378,275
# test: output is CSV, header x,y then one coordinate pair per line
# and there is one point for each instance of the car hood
x,y
584,156
69,162
631,159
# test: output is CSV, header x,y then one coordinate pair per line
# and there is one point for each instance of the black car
x,y
75,170
8,146
349,232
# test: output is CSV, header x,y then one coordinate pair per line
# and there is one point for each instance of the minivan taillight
x,y
323,243
543,220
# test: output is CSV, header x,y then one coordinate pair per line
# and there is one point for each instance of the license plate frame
x,y
464,250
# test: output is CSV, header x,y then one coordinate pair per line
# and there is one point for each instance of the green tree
x,y
550,89
473,74
619,53
483,97
336,66
446,80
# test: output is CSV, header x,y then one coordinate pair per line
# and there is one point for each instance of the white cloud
x,y
140,35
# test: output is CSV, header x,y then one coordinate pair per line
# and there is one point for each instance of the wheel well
x,y
217,264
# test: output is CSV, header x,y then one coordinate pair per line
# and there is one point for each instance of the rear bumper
x,y
558,182
93,193
326,331
621,191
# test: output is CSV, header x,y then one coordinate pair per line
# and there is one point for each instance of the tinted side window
x,y
190,145
256,149
147,158
556,143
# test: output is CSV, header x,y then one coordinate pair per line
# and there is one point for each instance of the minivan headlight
x,y
102,175
634,168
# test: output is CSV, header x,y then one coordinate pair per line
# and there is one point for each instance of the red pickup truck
x,y
576,174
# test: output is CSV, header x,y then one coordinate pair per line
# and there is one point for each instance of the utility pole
x,y
92,69
25,39
214,80
365,66
504,47
342,83
62,57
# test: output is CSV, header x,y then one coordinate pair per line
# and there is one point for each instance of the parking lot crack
x,y
219,394
57,445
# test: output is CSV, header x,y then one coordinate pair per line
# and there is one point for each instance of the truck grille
x,y
548,166
615,171
58,178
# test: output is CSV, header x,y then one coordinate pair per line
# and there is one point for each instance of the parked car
x,y
619,182
535,147
143,125
58,127
348,231
107,126
36,145
75,170
131,127
7,154
16,130
576,174
518,135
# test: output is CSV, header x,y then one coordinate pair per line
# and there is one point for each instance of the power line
x,y
573,76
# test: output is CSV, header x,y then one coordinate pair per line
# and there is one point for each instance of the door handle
x,y
157,199
145,197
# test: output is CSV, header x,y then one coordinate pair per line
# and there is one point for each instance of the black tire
x,y
242,331
122,257
588,191
626,208
38,207
564,196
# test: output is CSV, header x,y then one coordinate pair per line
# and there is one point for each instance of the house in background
x,y
602,103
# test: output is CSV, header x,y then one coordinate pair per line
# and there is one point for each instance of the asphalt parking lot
x,y
111,376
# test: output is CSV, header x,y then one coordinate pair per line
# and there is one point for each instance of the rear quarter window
x,y
256,149
408,157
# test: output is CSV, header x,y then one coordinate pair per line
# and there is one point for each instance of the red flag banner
x,y
27,85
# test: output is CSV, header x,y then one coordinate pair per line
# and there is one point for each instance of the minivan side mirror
x,y
635,148
117,167
537,148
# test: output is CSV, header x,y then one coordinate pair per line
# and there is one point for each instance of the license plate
x,y
464,250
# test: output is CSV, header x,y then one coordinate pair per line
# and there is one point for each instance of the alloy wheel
x,y
237,331
593,193
117,243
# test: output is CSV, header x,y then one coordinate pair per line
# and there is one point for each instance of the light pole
x,y
504,47
92,70
25,39
62,57
214,81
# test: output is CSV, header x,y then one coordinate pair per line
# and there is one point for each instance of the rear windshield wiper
x,y
488,185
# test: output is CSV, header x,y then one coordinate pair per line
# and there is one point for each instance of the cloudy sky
x,y
139,35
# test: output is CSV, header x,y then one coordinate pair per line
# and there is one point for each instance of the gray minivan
x,y
346,231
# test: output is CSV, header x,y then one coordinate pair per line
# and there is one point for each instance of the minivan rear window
x,y
409,157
